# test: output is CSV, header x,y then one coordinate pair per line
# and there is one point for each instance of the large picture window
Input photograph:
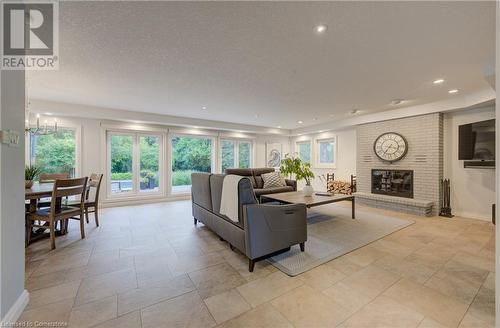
x,y
304,151
54,153
235,154
189,154
326,152
134,163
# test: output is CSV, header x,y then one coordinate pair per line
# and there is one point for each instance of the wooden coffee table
x,y
297,197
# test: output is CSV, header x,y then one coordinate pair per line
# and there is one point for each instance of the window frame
x,y
136,164
317,162
236,148
170,157
297,149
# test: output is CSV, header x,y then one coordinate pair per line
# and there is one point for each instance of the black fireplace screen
x,y
393,182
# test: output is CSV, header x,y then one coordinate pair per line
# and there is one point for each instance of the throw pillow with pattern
x,y
273,179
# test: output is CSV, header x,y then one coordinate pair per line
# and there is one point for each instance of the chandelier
x,y
40,129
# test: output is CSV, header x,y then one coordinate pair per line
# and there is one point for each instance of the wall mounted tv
x,y
476,144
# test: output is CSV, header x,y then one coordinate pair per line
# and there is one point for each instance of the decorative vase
x,y
308,190
28,184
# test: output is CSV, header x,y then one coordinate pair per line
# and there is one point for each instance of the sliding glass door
x,y
189,154
133,163
149,152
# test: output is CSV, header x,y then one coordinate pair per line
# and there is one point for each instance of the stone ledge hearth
x,y
402,204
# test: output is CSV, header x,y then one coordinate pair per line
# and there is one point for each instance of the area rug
x,y
332,233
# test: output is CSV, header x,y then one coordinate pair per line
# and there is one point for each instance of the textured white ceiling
x,y
261,63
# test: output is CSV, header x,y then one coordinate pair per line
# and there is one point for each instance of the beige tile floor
x,y
149,266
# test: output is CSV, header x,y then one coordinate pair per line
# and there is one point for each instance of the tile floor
x,y
149,266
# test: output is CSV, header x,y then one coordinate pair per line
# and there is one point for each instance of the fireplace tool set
x,y
445,203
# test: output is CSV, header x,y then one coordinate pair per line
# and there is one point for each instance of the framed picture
x,y
273,154
326,152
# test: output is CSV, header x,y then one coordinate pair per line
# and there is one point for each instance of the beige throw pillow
x,y
272,180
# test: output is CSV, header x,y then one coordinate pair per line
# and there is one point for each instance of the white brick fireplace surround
x,y
424,135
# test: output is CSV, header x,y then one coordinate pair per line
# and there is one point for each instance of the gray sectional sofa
x,y
261,230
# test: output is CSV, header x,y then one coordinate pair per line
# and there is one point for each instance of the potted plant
x,y
292,165
30,173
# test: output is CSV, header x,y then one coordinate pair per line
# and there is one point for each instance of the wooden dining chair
x,y
92,205
52,177
58,212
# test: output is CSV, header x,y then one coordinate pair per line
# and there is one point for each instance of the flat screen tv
x,y
476,142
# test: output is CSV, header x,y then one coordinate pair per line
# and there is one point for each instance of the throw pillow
x,y
272,180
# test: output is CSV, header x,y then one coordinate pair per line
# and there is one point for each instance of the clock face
x,y
390,147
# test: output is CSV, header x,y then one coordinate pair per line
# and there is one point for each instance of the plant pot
x,y
308,190
28,184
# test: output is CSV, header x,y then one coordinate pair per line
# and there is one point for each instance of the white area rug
x,y
332,233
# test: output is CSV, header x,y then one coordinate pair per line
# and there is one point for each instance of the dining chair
x,y
52,177
49,178
92,206
58,212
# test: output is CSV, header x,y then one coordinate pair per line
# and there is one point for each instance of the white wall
x,y
472,190
346,155
13,297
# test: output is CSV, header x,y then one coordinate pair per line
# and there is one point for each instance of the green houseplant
x,y
294,166
30,173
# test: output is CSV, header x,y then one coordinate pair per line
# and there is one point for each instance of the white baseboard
x,y
17,308
469,215
138,201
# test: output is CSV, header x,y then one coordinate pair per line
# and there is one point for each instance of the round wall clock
x,y
390,147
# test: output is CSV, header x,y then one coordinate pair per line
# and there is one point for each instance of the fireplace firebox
x,y
392,182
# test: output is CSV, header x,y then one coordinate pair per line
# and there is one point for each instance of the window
x,y
134,163
304,151
326,152
54,153
235,154
189,154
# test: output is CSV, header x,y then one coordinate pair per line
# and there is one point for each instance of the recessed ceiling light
x,y
354,112
453,91
300,122
279,126
321,131
396,102
204,107
438,81
321,28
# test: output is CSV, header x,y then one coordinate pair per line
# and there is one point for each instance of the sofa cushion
x,y
200,190
259,183
273,179
275,190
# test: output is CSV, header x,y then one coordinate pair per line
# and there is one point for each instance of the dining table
x,y
36,192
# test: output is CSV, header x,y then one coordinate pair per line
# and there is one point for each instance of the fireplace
x,y
392,182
